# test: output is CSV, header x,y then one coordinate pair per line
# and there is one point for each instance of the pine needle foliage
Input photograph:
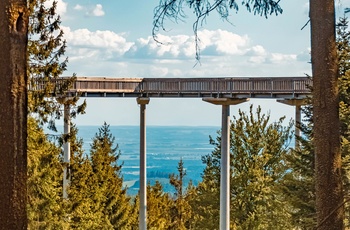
x,y
44,209
110,202
181,211
258,151
46,63
159,204
300,182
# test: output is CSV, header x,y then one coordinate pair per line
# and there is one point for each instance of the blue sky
x,y
113,39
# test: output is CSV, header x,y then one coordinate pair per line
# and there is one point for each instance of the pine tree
x,y
80,204
300,181
181,212
45,51
111,204
158,207
45,209
13,114
258,151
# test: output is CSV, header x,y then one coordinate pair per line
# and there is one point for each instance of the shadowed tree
x,y
13,114
329,191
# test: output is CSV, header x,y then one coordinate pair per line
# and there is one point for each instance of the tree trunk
x,y
329,194
13,114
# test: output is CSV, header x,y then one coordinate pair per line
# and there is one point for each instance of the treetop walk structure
x,y
218,91
248,87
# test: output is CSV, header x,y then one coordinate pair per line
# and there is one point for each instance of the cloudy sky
x,y
113,39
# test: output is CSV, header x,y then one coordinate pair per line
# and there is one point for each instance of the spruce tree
x,y
300,182
181,211
158,207
111,203
258,151
46,63
45,208
79,205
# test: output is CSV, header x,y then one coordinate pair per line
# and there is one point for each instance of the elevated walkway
x,y
252,87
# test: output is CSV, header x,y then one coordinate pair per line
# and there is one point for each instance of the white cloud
x,y
97,11
99,44
223,42
107,53
78,7
279,58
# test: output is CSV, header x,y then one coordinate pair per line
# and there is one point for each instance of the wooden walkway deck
x,y
253,87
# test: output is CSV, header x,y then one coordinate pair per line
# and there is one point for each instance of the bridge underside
x,y
267,95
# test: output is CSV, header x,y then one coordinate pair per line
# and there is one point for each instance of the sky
x,y
114,39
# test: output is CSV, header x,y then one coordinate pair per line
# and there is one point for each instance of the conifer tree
x,y
45,209
258,151
45,52
111,204
300,182
158,207
181,212
80,203
46,63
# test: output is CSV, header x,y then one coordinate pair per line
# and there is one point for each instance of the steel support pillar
x,y
225,157
297,103
225,169
66,150
143,164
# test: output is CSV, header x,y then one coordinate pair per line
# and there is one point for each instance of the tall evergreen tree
x,y
300,181
45,50
111,204
158,207
258,151
326,124
80,203
45,205
181,211
13,114
46,63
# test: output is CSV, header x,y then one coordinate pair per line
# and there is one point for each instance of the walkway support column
x,y
66,149
143,164
297,103
225,157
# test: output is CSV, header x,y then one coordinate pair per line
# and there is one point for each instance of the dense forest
x,y
272,185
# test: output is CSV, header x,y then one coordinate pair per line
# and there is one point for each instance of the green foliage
x,y
300,182
181,211
44,209
110,201
343,47
258,152
158,207
80,202
46,63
